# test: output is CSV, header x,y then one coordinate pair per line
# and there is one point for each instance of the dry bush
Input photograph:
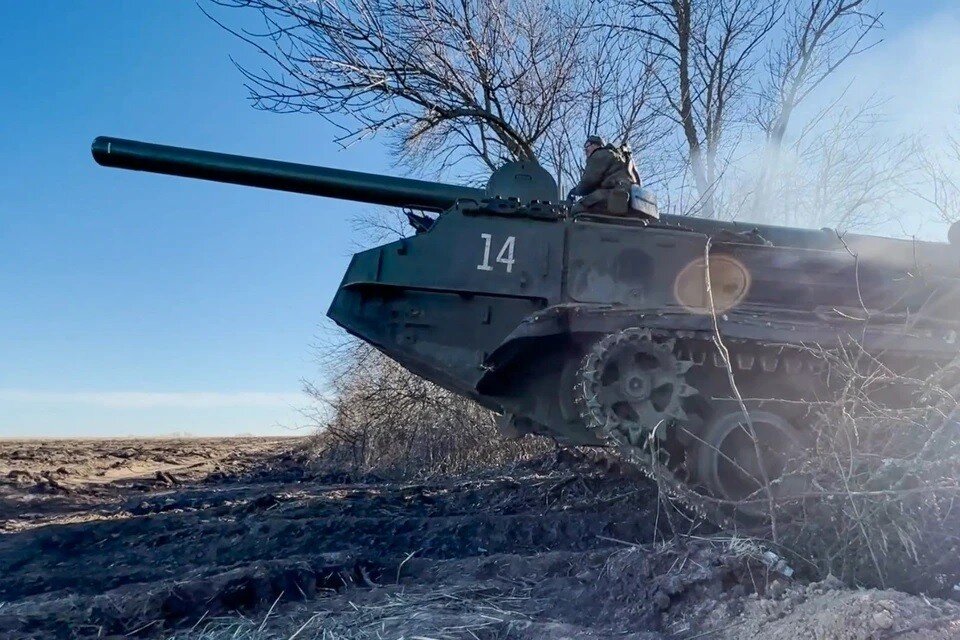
x,y
883,476
377,417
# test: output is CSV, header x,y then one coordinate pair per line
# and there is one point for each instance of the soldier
x,y
606,180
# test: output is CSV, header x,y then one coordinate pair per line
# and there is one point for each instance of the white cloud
x,y
152,399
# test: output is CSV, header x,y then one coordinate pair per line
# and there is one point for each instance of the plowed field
x,y
243,538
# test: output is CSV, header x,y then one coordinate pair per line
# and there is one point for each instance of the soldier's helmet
x,y
597,140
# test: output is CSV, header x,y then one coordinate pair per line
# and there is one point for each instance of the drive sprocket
x,y
631,383
630,388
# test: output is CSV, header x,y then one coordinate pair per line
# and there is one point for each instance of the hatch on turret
x,y
524,180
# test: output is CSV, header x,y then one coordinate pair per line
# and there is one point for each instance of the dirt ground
x,y
59,481
247,538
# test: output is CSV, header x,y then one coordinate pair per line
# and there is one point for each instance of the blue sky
x,y
136,304
114,282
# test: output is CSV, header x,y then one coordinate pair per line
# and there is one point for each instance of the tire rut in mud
x,y
166,560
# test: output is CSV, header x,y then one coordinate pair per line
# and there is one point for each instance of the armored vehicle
x,y
688,344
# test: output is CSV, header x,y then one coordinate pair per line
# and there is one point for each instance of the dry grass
x,y
882,479
424,613
885,477
378,418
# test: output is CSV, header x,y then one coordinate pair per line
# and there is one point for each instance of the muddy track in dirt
x,y
537,550
171,557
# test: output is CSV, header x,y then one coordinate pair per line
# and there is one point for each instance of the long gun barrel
x,y
280,176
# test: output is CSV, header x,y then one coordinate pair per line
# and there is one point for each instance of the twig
x,y
725,355
618,541
400,566
269,612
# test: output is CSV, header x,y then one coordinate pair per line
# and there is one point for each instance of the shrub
x,y
377,417
882,480
885,478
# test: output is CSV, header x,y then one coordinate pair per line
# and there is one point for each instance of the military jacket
x,y
605,169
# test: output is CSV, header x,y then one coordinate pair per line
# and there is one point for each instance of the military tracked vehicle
x,y
652,335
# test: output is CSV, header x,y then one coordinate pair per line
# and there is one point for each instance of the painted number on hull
x,y
505,256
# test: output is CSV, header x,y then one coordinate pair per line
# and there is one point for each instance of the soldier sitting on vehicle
x,y
607,177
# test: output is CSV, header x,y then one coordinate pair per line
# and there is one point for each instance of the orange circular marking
x,y
729,283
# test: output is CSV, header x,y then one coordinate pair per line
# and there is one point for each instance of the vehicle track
x,y
171,557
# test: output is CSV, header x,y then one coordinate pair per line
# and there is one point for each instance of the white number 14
x,y
504,257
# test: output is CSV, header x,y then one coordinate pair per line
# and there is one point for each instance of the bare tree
x,y
940,186
733,71
481,81
706,51
819,37
615,90
840,169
